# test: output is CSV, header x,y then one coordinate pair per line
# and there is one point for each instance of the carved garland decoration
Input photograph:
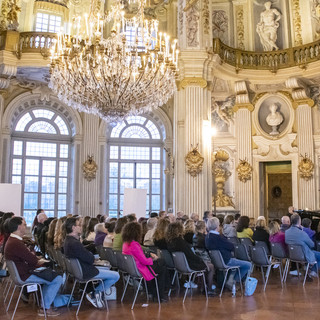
x,y
240,27
194,161
205,15
89,168
244,170
297,23
305,168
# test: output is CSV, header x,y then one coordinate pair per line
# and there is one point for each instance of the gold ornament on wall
x,y
194,161
170,168
89,168
305,168
244,170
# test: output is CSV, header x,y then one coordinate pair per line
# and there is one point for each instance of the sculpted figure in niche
x,y
274,119
268,26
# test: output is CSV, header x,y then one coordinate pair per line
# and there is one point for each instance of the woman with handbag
x,y
150,268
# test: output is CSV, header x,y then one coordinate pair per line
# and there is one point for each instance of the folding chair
x,y
167,257
278,253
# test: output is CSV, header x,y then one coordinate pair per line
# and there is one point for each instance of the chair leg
x,y
305,276
147,293
7,293
267,277
135,297
15,309
287,266
280,271
262,272
224,282
240,280
42,301
125,288
205,284
74,285
14,289
157,288
83,293
298,269
172,282
185,294
104,295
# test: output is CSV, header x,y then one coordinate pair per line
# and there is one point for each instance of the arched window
x,y
135,160
40,161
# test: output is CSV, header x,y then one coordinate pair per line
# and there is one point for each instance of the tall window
x,y
48,22
40,161
135,156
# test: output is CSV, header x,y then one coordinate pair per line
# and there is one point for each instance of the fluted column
x,y
192,128
244,190
307,189
89,201
3,154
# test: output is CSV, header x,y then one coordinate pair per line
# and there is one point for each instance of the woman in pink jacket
x,y
148,267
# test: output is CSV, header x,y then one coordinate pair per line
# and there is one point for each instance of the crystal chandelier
x,y
130,72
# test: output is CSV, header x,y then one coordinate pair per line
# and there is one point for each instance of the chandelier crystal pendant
x,y
130,72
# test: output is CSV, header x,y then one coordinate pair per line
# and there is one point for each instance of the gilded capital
x,y
304,102
248,106
193,81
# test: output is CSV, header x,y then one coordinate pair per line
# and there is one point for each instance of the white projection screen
x,y
135,201
10,198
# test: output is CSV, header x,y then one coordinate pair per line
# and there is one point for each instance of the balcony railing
x,y
299,56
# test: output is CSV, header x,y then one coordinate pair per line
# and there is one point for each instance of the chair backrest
x,y
246,241
241,252
120,261
130,266
14,274
60,259
167,257
296,253
110,255
234,240
278,251
76,269
259,256
217,259
264,245
180,262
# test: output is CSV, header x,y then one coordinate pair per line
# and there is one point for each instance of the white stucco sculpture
x,y
274,119
268,26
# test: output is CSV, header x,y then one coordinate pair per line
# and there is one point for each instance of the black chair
x,y
182,267
109,255
14,275
264,245
241,252
297,255
279,254
234,240
167,257
260,259
246,242
74,268
219,264
133,273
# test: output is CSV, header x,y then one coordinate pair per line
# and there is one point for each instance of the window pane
x,y
17,148
50,214
113,185
48,168
47,201
29,217
156,186
135,153
43,113
16,179
31,184
62,214
113,169
117,129
63,169
31,201
156,170
126,170
121,202
142,170
16,166
143,184
136,119
62,125
40,149
48,184
153,130
63,182
32,167
113,201
156,154
42,127
135,132
125,183
114,152
113,214
64,151
62,201
148,205
21,125
155,203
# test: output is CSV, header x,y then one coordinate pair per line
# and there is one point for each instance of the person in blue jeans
x,y
215,241
74,249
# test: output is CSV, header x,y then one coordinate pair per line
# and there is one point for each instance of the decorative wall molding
x,y
193,81
89,168
53,7
206,16
240,27
194,161
297,23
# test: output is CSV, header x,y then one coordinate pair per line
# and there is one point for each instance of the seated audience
x,y
229,229
42,217
295,235
207,215
153,215
108,240
194,217
276,236
159,237
26,263
74,249
285,223
306,227
85,224
90,234
35,220
189,231
148,267
50,234
3,232
148,238
243,230
261,232
101,232
59,234
117,240
215,241
162,214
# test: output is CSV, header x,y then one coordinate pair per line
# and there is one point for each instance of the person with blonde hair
x,y
59,233
261,232
276,236
159,237
189,229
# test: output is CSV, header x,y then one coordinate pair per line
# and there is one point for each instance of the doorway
x,y
278,188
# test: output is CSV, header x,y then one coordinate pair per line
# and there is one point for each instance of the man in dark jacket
x,y
74,249
215,241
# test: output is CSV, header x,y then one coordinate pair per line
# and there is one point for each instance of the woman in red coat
x,y
148,267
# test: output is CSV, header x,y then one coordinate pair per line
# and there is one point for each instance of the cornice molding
x,y
248,106
193,82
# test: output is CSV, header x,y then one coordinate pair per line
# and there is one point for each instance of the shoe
x,y
212,293
275,266
312,274
91,299
99,300
213,287
49,312
294,273
190,284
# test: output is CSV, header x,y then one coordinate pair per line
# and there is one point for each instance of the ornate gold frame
x,y
305,168
244,170
89,168
194,161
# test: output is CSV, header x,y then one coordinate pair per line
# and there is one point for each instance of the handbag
x,y
111,293
250,286
45,273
